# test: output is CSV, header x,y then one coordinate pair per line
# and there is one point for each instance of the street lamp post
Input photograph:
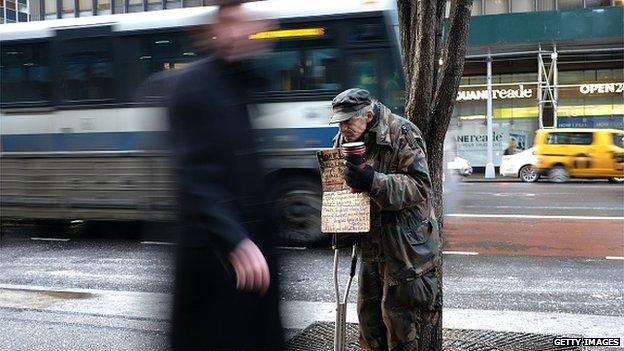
x,y
489,167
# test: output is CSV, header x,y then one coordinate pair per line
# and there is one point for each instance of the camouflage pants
x,y
389,315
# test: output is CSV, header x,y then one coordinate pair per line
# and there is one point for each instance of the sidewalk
x,y
149,311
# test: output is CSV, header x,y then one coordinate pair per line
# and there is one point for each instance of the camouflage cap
x,y
348,103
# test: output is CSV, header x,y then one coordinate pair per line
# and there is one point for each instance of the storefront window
x,y
545,5
597,3
522,5
68,8
103,7
476,8
192,3
85,7
154,5
493,7
50,9
135,5
569,4
174,4
589,76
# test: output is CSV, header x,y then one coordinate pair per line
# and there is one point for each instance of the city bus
x,y
77,142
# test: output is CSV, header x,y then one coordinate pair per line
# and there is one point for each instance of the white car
x,y
520,165
460,165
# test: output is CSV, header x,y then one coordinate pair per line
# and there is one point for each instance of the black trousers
x,y
210,314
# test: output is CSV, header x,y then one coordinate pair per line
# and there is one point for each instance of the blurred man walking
x,y
226,286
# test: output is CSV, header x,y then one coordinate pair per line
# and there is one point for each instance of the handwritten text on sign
x,y
342,211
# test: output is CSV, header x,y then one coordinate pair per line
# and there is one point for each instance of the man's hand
x,y
252,271
359,178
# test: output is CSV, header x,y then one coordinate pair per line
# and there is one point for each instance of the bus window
x,y
363,72
364,31
25,73
87,70
297,70
374,71
146,54
322,69
392,88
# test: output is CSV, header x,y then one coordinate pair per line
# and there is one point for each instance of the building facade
x,y
562,67
13,11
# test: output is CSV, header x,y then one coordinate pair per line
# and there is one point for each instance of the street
x,y
535,258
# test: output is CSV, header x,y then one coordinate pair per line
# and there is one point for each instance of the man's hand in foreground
x,y
252,271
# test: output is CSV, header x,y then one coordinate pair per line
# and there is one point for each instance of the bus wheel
x,y
558,174
616,180
299,212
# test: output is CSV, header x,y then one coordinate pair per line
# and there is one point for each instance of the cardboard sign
x,y
342,211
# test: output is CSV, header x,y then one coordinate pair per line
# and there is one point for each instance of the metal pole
x,y
340,329
540,107
489,167
555,102
339,337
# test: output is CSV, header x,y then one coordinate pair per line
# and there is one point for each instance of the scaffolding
x,y
547,87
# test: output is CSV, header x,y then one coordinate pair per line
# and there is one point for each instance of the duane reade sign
x,y
519,93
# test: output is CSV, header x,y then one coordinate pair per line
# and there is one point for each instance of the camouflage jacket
x,y
404,233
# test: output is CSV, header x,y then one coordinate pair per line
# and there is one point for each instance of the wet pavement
x,y
531,275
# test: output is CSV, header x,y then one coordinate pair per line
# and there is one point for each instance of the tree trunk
x,y
433,64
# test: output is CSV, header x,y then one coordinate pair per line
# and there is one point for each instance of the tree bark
x,y
431,90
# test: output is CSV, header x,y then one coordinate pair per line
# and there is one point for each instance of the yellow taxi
x,y
580,153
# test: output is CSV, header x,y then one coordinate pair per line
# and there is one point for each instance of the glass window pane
x,y
569,4
392,87
68,8
280,71
154,5
476,8
103,7
589,76
135,5
85,7
362,72
10,15
322,70
522,5
366,32
25,73
571,77
496,6
597,3
87,70
545,5
604,75
151,53
618,139
174,4
50,8
570,138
